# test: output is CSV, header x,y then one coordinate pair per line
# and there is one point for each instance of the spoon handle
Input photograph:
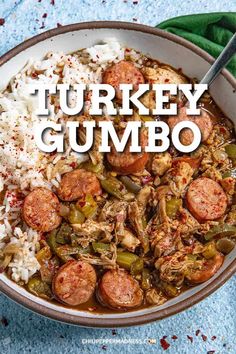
x,y
220,62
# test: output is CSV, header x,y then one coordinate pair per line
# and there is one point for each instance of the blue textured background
x,y
25,332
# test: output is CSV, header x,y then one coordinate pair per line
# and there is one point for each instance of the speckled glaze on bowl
x,y
167,48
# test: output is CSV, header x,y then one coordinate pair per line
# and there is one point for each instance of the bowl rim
x,y
133,319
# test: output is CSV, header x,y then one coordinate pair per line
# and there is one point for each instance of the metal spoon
x,y
222,60
228,52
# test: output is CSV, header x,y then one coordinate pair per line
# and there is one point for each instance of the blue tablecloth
x,y
214,318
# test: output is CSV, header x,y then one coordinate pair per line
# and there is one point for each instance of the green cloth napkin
x,y
210,32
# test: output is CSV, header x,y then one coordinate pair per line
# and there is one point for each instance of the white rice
x,y
24,263
21,162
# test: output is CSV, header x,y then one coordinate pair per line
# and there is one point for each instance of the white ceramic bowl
x,y
169,49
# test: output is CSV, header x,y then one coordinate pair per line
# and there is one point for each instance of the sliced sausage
x,y
74,283
209,268
41,210
123,72
127,162
203,121
206,199
119,290
77,183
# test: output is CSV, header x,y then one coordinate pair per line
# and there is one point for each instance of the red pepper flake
x,y
34,74
58,24
45,15
204,338
211,352
222,130
164,344
4,321
174,337
147,179
197,332
43,26
213,337
73,164
114,333
104,347
82,203
167,80
135,19
135,2
52,2
190,338
2,21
